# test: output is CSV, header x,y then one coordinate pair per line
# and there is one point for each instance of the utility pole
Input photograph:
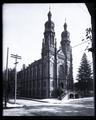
x,y
6,78
16,57
55,65
66,73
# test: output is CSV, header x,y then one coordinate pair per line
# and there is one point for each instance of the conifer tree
x,y
84,76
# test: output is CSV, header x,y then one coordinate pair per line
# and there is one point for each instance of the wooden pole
x,y
6,78
15,80
55,64
16,57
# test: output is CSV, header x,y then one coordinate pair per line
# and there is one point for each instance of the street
x,y
52,107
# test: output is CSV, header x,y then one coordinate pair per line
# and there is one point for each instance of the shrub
x,y
56,93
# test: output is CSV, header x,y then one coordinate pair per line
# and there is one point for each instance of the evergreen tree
x,y
84,77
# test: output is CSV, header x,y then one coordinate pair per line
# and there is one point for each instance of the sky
x,y
23,28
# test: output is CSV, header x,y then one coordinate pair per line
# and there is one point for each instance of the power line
x,y
91,63
82,8
80,44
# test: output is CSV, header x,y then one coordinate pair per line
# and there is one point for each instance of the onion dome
x,y
65,34
49,25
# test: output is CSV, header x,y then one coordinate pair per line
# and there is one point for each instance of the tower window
x,y
52,40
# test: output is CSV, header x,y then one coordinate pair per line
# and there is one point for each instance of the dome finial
x,y
49,7
65,20
65,25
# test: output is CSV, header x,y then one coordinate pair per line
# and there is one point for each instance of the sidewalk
x,y
30,102
12,105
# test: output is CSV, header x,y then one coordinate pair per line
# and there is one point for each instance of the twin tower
x,y
53,70
56,64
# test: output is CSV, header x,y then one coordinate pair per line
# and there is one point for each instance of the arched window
x,y
61,72
61,85
52,40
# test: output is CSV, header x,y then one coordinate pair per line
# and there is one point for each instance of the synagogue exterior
x,y
54,69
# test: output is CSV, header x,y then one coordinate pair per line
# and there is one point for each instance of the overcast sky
x,y
23,28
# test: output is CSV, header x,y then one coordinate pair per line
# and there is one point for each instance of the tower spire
x,y
49,14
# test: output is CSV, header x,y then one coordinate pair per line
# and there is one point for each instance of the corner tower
x,y
49,35
67,50
48,58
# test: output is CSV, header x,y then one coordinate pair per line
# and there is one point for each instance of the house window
x,y
71,96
